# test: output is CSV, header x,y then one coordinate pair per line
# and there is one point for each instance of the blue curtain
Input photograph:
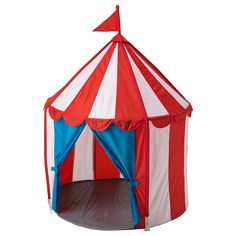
x,y
120,147
65,138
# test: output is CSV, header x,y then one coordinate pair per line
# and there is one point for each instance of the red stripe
x,y
128,103
104,167
142,140
45,153
82,103
156,70
94,157
176,168
140,172
66,169
57,94
147,165
168,101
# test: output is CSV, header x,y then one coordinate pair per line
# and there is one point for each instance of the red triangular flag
x,y
112,23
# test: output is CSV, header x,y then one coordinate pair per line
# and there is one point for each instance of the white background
x,y
43,43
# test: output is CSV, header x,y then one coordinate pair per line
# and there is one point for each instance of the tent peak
x,y
119,38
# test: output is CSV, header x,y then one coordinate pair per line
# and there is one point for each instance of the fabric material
x,y
66,168
97,204
83,158
51,99
112,23
50,152
159,199
103,166
128,103
185,161
176,168
104,105
119,85
171,105
45,154
65,138
70,92
82,103
152,103
141,174
120,147
162,80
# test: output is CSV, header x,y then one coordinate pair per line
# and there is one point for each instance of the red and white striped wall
x,y
168,172
49,152
167,180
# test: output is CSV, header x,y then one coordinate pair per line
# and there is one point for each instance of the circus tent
x,y
120,118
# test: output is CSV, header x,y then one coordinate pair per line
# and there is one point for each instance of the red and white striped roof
x,y
118,85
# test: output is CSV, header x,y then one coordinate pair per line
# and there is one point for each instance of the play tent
x,y
116,141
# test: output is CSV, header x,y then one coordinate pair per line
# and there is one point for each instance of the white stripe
x,y
151,102
185,161
177,97
104,105
50,152
159,199
83,158
70,92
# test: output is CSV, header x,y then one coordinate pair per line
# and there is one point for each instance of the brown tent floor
x,y
97,204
